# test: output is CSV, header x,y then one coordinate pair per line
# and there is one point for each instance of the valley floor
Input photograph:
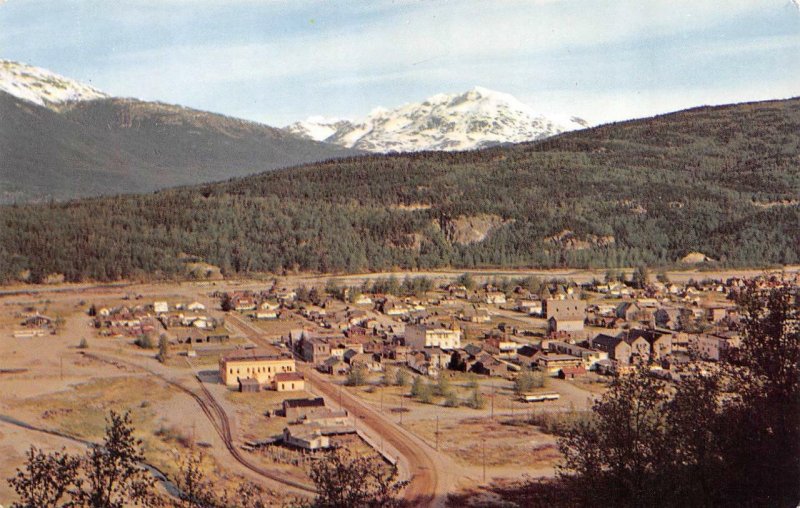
x,y
55,394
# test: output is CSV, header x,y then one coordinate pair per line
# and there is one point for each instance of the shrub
x,y
443,387
476,400
356,377
452,400
421,390
145,341
528,380
402,378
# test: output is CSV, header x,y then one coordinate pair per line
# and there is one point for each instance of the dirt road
x,y
423,488
221,423
423,485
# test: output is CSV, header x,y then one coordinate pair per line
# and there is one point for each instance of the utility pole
x,y
492,400
437,433
483,453
401,411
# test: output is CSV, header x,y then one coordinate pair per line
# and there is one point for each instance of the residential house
x,y
501,347
474,314
488,365
334,365
572,372
494,298
364,360
590,357
196,307
398,352
634,312
362,299
315,350
307,437
671,317
420,363
530,307
713,347
242,302
296,409
393,308
617,349
437,357
289,382
660,343
37,321
552,363
566,315
422,336
526,355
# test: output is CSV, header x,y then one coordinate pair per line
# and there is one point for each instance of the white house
x,y
195,307
422,336
495,297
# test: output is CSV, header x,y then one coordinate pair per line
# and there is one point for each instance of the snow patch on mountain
x,y
43,87
474,119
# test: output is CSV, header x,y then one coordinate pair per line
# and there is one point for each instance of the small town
x,y
400,254
456,380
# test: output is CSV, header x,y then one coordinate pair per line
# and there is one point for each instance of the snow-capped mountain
x,y
43,87
474,119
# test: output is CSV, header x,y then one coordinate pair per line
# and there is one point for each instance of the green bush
x,y
527,380
356,377
452,400
476,400
145,341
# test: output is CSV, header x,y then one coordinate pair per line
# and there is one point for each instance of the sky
x,y
278,61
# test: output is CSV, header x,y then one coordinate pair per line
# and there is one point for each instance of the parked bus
x,y
539,397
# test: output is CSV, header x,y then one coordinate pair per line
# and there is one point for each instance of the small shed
x,y
572,372
249,385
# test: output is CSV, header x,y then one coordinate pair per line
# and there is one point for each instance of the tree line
x,y
113,474
725,436
719,181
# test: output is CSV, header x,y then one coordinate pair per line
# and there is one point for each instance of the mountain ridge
x,y
63,140
721,181
451,122
43,87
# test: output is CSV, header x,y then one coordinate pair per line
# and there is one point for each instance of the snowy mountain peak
x,y
41,86
476,118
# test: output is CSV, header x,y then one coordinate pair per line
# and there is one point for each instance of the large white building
x,y
422,336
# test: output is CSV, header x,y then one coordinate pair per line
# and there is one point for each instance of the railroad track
x,y
422,487
423,482
219,420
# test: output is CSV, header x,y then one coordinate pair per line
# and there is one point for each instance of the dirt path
x,y
159,476
423,487
221,423
422,465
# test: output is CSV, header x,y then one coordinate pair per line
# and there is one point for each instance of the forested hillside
x,y
110,146
722,181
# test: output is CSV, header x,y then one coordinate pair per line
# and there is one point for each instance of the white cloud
x,y
386,50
